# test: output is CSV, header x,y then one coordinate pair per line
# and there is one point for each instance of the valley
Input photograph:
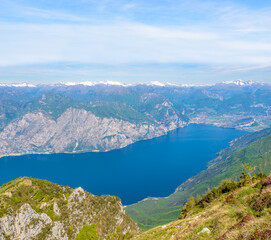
x,y
135,142
75,118
235,206
145,168
135,120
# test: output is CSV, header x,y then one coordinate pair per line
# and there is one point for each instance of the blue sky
x,y
185,41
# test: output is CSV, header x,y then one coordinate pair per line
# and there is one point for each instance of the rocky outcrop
x,y
26,224
76,130
39,211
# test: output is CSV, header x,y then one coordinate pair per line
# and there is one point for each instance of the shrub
x,y
88,232
50,214
187,207
39,195
258,203
16,200
25,199
227,186
47,198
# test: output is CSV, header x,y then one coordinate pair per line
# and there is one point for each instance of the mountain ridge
x,y
164,108
234,210
238,82
37,209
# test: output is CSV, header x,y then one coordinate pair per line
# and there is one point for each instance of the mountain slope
x,y
76,130
37,209
158,108
242,213
253,149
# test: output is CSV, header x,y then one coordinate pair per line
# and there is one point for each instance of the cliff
x,y
38,209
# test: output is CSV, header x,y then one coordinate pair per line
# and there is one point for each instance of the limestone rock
x,y
77,130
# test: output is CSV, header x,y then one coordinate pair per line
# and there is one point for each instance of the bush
x,y
39,195
227,186
258,203
88,232
16,200
187,207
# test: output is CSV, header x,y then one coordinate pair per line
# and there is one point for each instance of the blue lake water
x,y
147,168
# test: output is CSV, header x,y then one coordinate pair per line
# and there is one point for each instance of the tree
x,y
198,198
187,207
248,169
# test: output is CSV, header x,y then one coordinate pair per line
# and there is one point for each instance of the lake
x,y
147,168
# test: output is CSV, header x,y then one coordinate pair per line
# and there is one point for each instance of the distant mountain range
x,y
105,116
115,83
80,117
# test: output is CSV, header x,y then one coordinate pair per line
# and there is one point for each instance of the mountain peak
x,y
90,83
240,82
17,85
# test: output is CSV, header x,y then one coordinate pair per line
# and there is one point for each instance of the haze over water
x,y
147,168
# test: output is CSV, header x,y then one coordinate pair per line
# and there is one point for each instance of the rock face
x,y
80,118
39,211
76,130
23,224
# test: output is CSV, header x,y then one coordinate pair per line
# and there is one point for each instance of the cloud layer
x,y
134,32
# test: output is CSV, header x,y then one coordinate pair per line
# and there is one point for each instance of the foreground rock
x,y
37,209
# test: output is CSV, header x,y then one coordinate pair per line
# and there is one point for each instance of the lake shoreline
x,y
98,151
153,167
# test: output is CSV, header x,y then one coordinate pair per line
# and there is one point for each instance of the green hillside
x,y
235,210
38,209
254,149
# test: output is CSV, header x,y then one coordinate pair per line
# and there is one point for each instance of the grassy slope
x,y
244,213
41,195
254,149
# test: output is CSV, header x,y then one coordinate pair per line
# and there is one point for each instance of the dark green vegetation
x,y
69,212
238,210
253,149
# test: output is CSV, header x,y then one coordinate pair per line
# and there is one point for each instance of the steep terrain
x,y
37,209
254,149
234,211
75,130
53,123
101,117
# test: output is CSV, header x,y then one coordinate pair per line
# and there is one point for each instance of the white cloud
x,y
228,69
128,6
50,14
203,32
125,43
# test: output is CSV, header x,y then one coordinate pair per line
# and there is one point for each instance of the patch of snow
x,y
156,83
240,82
89,83
17,85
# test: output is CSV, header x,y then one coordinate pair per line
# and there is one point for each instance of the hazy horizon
x,y
189,42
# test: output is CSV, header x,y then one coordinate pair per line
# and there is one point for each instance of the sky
x,y
177,41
